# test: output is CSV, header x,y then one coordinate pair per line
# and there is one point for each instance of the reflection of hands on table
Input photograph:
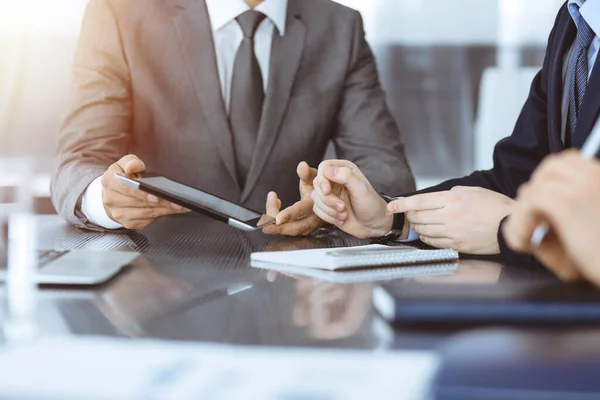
x,y
331,311
469,272
140,294
297,243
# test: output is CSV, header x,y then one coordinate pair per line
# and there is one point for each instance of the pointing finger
x,y
428,201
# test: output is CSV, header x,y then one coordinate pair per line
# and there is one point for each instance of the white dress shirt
x,y
227,36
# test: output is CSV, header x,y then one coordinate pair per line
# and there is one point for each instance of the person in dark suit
x,y
228,96
564,192
465,213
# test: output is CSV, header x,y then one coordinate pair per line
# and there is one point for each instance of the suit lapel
x,y
590,108
555,95
193,26
286,54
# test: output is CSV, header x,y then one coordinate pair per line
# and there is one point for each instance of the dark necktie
x,y
580,68
247,95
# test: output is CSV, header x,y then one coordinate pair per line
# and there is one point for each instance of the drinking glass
x,y
18,249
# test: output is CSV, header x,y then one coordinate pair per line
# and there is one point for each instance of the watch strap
x,y
400,226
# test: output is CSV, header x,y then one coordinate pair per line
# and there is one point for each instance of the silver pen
x,y
589,150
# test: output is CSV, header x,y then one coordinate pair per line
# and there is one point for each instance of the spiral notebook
x,y
352,258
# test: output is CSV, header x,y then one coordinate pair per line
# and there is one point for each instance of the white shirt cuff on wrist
x,y
412,235
92,206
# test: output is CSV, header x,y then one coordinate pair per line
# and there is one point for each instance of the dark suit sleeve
x,y
366,132
95,132
511,257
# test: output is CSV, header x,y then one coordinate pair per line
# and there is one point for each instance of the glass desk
x,y
194,282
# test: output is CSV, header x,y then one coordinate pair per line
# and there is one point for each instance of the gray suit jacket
x,y
146,82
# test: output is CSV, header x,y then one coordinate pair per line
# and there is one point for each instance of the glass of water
x,y
18,249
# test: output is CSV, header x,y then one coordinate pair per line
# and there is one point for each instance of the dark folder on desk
x,y
515,303
505,364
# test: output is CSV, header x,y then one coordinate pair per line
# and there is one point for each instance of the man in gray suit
x,y
228,96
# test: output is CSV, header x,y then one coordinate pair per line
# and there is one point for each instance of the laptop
x,y
62,267
75,267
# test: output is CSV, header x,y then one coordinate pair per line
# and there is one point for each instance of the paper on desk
x,y
344,258
97,368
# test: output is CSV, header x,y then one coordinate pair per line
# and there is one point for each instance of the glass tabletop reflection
x,y
194,282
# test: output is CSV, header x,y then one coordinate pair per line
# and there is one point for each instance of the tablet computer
x,y
200,201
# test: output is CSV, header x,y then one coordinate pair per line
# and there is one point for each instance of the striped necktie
x,y
580,68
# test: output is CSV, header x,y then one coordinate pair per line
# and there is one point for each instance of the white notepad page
x,y
337,259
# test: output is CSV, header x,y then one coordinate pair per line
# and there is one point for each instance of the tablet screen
x,y
201,199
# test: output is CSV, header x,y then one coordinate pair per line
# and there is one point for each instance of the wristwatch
x,y
400,227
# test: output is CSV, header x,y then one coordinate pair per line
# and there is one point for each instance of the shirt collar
x,y
589,9
221,12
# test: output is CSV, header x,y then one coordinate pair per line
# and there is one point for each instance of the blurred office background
x,y
456,73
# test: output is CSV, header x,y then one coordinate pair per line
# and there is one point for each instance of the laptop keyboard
x,y
47,256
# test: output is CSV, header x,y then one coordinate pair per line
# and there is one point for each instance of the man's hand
x,y
564,192
129,207
518,230
299,219
465,219
344,197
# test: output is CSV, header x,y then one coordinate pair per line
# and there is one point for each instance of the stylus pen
x,y
589,150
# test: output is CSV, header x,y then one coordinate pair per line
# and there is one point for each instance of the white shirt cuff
x,y
412,235
92,206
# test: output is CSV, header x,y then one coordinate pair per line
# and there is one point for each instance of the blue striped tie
x,y
580,68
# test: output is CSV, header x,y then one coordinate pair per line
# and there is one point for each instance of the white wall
x,y
37,42
423,22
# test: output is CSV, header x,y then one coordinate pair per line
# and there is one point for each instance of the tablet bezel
x,y
249,225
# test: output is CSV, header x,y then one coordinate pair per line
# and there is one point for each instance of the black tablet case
x,y
506,302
